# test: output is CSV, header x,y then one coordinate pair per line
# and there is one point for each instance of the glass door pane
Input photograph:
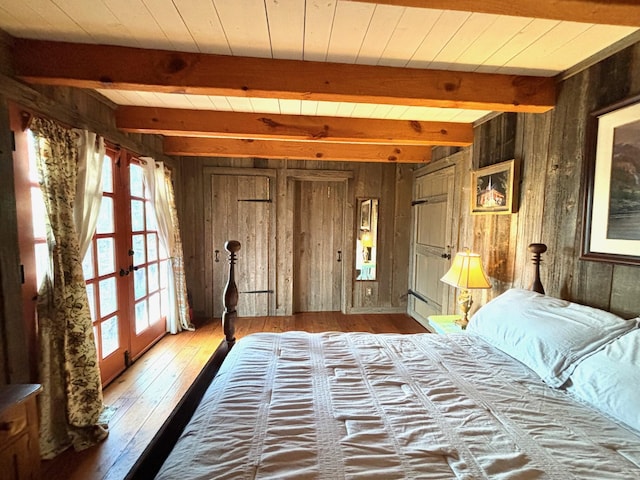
x,y
102,274
149,259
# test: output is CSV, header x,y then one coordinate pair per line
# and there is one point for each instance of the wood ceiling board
x,y
286,28
191,21
229,147
295,107
528,34
470,33
178,122
262,105
245,27
502,31
563,50
58,63
290,107
440,35
134,16
380,30
349,29
41,20
607,12
410,32
317,30
548,48
94,18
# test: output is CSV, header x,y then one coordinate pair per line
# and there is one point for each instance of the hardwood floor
x,y
145,394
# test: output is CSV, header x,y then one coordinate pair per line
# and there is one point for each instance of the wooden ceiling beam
x,y
604,12
126,68
233,147
206,123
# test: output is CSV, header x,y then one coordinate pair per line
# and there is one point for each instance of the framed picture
x,y
365,215
494,189
611,226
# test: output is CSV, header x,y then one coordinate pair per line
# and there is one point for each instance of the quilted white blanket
x,y
355,405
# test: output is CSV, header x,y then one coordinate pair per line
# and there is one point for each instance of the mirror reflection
x,y
367,239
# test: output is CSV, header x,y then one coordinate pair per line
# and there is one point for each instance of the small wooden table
x,y
19,435
443,324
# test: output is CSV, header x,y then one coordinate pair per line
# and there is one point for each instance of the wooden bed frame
x,y
165,439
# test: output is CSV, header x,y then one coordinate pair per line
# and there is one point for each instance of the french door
x,y
125,268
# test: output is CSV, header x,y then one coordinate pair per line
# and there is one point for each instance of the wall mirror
x,y
367,239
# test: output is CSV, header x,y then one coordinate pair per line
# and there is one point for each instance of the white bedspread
x,y
332,406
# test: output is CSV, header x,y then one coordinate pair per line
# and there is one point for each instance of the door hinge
x,y
13,141
419,296
127,359
255,200
22,274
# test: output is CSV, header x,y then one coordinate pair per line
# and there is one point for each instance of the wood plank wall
x,y
551,148
389,182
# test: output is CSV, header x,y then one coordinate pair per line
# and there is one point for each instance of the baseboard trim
x,y
364,310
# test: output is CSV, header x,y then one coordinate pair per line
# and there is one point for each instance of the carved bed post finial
x,y
230,297
537,249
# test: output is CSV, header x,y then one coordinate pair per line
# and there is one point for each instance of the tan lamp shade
x,y
367,239
466,272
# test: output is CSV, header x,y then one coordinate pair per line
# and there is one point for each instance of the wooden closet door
x,y
241,210
318,246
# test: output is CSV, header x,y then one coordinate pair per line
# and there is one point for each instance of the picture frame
x,y
365,215
611,223
494,189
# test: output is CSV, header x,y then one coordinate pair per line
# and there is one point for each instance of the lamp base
x,y
464,304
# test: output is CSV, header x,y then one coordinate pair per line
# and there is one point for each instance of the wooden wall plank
x,y
284,174
401,237
552,150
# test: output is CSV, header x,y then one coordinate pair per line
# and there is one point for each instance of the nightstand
x,y
443,324
19,447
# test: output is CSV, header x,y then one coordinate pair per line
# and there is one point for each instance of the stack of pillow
x,y
593,354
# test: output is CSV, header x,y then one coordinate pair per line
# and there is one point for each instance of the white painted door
x,y
431,243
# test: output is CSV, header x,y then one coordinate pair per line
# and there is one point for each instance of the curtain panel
x,y
72,401
91,151
158,181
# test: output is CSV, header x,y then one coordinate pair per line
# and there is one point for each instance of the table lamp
x,y
466,273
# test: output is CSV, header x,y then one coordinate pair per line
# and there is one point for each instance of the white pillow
x,y
547,334
610,379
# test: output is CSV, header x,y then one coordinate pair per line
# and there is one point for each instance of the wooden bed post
x,y
230,297
537,249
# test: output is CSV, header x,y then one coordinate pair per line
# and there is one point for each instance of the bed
x,y
536,387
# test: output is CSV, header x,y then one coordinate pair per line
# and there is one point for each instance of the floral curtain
x,y
71,402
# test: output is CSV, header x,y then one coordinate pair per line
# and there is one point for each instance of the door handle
x,y
124,272
446,255
339,255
